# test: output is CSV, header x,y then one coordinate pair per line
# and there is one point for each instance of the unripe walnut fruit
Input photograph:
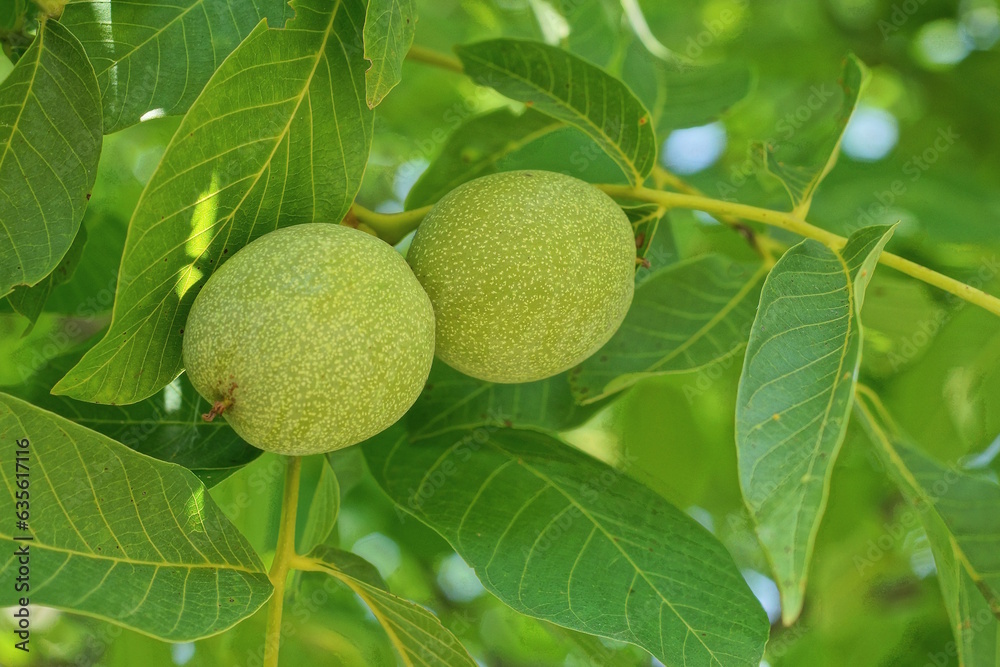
x,y
311,338
529,272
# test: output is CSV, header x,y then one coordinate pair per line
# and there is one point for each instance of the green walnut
x,y
529,272
311,338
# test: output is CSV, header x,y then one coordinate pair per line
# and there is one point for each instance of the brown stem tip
x,y
217,409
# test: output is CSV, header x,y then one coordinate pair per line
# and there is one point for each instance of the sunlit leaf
x,y
682,318
475,148
570,89
795,396
153,58
279,137
389,29
50,141
562,537
414,631
120,536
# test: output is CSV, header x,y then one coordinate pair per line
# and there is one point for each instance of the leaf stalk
x,y
800,227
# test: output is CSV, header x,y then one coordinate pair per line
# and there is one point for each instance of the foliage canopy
x,y
787,452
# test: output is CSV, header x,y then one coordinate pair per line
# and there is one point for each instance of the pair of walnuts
x,y
318,336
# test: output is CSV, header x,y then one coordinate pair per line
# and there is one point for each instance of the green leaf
x,y
570,89
453,400
810,151
12,15
475,148
167,426
152,59
50,141
795,397
348,564
684,317
319,503
960,511
974,624
280,136
680,95
562,537
30,301
123,537
389,29
414,631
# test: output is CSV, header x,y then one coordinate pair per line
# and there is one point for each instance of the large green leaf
x,y
167,426
30,301
684,317
50,141
120,536
153,58
961,511
475,148
562,537
280,136
810,150
795,396
570,89
415,632
389,29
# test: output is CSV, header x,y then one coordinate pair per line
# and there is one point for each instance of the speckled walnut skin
x,y
530,272
317,336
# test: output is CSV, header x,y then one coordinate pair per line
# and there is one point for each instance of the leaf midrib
x,y
156,35
14,129
134,561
